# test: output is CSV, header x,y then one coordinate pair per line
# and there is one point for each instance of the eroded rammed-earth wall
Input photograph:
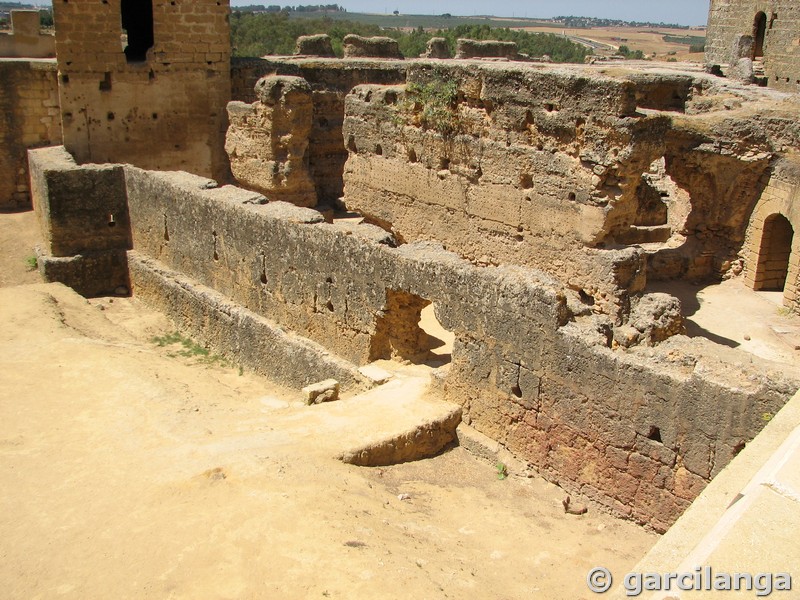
x,y
640,431
330,80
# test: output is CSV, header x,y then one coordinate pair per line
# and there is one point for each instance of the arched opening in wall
x,y
759,34
137,25
774,254
407,330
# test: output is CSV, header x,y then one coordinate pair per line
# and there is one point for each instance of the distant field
x,y
425,21
648,41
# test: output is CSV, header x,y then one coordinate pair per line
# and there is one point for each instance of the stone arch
x,y
774,253
770,242
759,34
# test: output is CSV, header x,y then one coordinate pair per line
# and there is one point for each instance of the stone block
x,y
323,391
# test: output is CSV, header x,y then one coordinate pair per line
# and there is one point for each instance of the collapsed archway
x,y
407,330
774,254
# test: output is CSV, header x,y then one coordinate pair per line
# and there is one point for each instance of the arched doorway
x,y
774,254
759,34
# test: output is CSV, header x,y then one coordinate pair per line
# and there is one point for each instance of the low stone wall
x,y
247,338
30,118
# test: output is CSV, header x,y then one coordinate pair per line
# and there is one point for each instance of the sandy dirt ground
x,y
130,471
733,315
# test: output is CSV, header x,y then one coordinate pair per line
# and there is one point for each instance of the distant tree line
x,y
696,43
255,34
586,22
628,53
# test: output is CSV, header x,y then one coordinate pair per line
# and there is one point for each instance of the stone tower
x,y
764,31
145,82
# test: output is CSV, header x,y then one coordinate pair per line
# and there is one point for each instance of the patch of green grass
x,y
434,105
188,348
32,263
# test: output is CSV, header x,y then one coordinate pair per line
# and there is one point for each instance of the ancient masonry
x,y
529,204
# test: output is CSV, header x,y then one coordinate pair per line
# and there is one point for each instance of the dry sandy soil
x,y
129,471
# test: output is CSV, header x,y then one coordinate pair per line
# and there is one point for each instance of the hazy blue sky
x,y
685,12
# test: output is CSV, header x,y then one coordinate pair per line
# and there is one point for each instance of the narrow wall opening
x,y
774,254
407,330
759,34
137,23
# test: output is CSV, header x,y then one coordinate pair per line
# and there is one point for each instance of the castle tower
x,y
765,31
145,82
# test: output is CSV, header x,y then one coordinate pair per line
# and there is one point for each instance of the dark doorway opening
x,y
759,34
773,257
137,22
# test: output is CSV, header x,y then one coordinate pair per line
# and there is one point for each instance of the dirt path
x,y
128,471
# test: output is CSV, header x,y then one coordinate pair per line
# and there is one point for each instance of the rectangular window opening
x,y
137,23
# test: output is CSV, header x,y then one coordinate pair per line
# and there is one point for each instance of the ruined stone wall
x,y
83,217
729,19
780,199
520,166
162,107
29,118
640,431
25,39
331,80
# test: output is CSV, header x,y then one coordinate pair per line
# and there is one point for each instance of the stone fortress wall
x,y
773,28
158,104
